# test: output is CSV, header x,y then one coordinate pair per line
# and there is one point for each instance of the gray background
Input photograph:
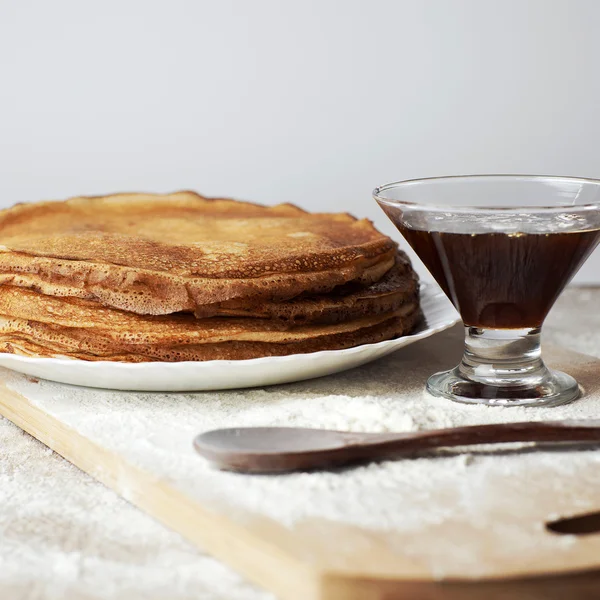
x,y
311,102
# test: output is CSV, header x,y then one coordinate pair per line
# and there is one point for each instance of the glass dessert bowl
x,y
502,247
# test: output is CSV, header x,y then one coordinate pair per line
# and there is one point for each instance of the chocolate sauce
x,y
502,280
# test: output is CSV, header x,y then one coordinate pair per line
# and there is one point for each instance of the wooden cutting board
x,y
452,526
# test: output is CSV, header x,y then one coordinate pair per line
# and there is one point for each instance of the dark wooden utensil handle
x,y
497,433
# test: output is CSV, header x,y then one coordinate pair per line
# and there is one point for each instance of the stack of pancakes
x,y
142,277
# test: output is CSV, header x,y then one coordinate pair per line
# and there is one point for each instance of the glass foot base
x,y
549,389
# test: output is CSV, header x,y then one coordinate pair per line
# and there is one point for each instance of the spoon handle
x,y
390,446
492,433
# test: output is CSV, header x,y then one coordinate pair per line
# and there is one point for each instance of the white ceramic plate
x,y
227,374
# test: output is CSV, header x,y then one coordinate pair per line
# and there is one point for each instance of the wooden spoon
x,y
280,449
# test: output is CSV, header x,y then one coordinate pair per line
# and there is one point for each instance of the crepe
x,y
34,324
400,285
160,254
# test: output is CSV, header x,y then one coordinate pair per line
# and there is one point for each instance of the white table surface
x,y
63,535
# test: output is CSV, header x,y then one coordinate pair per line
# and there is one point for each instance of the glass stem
x,y
502,356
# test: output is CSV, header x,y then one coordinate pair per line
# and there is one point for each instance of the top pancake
x,y
159,254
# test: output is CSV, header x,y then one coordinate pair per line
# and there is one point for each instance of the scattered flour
x,y
64,535
154,432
